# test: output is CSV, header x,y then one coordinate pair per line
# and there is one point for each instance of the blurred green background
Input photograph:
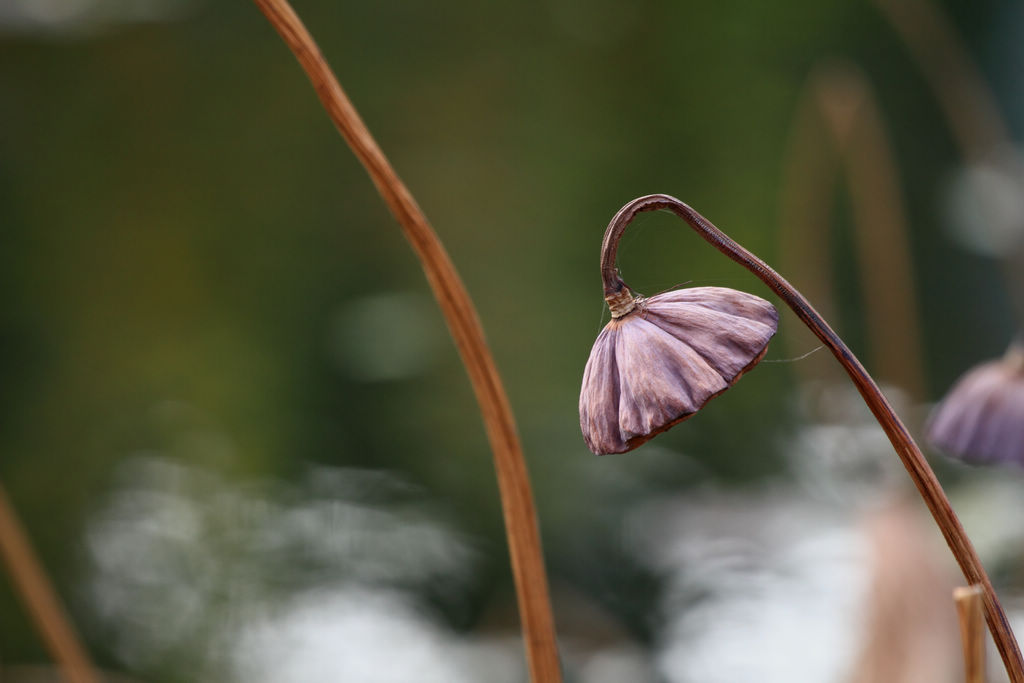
x,y
205,300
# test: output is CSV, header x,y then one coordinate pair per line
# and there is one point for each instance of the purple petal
x,y
661,379
599,397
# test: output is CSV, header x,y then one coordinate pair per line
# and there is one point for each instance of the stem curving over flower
x,y
913,460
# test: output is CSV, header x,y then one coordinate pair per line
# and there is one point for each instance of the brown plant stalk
x,y
41,599
913,460
909,636
513,482
969,105
972,636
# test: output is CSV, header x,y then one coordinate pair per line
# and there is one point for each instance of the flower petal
x,y
730,343
661,380
724,300
599,397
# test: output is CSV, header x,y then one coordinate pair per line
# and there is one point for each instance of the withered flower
x,y
661,359
981,419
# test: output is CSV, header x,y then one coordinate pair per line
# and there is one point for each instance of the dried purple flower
x,y
661,359
638,363
981,419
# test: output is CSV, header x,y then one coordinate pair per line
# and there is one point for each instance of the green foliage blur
x,y
194,266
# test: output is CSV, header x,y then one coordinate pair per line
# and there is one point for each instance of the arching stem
x,y
525,552
41,600
918,468
970,106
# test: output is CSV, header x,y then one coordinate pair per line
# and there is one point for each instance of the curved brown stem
x,y
538,623
913,460
970,105
41,599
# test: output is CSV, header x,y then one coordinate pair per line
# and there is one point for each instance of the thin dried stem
x,y
972,636
909,635
513,482
913,460
957,81
970,106
41,599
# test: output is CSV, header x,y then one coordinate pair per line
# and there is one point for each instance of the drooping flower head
x,y
658,361
661,359
981,419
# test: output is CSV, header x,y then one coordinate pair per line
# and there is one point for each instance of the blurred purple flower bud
x,y
981,419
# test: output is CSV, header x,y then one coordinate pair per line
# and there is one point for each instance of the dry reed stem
x,y
956,80
513,482
968,103
972,634
41,600
840,97
909,635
